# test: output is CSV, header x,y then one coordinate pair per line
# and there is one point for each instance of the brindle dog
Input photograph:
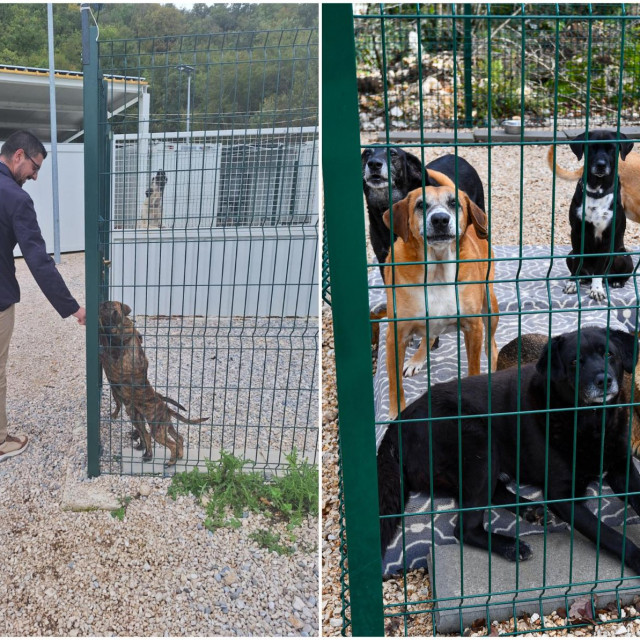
x,y
125,365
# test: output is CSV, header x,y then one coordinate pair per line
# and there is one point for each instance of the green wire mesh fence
x,y
568,68
208,232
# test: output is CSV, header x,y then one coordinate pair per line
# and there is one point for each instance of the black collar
x,y
595,194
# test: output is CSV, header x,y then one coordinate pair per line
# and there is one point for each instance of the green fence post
x,y
468,68
344,215
91,86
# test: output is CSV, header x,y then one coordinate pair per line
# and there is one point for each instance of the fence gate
x,y
202,217
440,79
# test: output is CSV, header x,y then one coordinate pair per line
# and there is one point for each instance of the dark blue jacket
x,y
19,225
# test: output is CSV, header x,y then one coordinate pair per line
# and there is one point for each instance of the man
x,y
21,157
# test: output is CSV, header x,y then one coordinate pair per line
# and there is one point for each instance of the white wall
x,y
245,272
71,197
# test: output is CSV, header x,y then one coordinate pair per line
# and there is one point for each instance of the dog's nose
x,y
374,165
440,220
601,164
599,381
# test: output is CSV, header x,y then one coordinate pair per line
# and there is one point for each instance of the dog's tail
x,y
564,174
389,490
172,401
180,417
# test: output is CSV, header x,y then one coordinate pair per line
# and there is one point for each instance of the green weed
x,y
227,491
271,541
120,511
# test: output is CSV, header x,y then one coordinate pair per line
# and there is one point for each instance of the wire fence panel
x,y
210,238
508,486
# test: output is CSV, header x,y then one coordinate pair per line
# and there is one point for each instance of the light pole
x,y
189,70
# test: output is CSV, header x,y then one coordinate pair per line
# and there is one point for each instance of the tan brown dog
x,y
151,212
531,347
125,365
628,175
453,301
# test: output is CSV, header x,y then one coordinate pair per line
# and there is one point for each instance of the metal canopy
x,y
24,100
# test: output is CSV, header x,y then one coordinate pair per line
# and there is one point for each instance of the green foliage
x,y
270,541
228,490
24,26
120,512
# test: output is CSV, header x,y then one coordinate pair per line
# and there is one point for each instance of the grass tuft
x,y
227,491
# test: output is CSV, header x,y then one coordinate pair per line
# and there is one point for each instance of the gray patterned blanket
x,y
528,285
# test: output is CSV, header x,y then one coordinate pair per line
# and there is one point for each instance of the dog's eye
x,y
451,203
573,364
394,153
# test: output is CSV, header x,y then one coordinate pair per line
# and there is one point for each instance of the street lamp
x,y
189,70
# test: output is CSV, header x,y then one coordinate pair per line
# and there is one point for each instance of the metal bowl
x,y
514,127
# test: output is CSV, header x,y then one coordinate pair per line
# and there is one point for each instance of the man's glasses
x,y
33,162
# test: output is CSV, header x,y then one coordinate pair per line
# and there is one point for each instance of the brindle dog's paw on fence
x,y
125,365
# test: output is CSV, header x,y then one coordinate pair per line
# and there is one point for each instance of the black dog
x,y
600,219
600,374
405,174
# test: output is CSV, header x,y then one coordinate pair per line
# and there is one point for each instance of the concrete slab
x,y
530,135
131,462
630,132
533,588
86,496
428,136
276,461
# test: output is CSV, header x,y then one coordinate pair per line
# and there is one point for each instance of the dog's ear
x,y
477,217
625,344
557,369
126,309
577,147
400,219
625,147
414,170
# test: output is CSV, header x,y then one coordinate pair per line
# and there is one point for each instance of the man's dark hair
x,y
24,140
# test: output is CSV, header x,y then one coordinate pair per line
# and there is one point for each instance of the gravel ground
x,y
158,571
506,195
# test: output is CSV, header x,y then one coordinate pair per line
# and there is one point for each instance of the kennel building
x,y
497,85
202,217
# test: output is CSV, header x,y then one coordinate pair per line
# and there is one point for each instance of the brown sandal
x,y
13,446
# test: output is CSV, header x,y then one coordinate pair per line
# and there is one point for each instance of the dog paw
x,y
535,515
146,456
411,368
617,284
515,551
598,295
570,287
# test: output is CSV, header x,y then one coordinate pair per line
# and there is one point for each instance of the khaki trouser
x,y
6,329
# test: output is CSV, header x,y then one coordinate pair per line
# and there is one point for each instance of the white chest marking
x,y
598,212
441,299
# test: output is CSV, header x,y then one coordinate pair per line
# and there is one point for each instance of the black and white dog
x,y
472,463
405,175
151,212
595,197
